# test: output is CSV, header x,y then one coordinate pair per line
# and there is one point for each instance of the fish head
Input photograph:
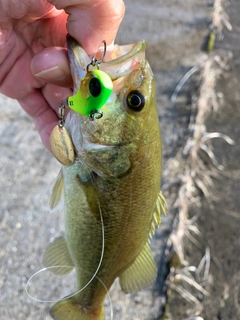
x,y
129,120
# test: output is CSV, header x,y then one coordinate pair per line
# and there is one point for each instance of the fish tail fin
x,y
70,309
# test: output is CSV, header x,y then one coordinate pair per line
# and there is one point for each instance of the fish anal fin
x,y
57,254
141,273
57,191
69,309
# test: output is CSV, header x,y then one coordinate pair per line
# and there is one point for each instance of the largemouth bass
x,y
111,193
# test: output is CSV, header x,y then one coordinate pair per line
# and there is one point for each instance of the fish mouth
x,y
129,57
122,60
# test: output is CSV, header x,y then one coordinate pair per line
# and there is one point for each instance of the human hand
x,y
34,67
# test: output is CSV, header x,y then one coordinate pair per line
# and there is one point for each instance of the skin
x,y
34,67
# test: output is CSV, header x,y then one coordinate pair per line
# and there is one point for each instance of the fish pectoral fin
x,y
141,273
57,258
69,309
57,191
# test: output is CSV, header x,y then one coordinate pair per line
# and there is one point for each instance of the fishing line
x,y
101,257
34,275
45,269
63,266
109,298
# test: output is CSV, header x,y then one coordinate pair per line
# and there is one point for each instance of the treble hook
x,y
96,62
95,114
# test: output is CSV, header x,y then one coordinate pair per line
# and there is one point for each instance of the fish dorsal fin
x,y
141,273
159,209
143,270
57,254
57,191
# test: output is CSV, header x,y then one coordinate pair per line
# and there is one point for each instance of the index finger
x,y
91,21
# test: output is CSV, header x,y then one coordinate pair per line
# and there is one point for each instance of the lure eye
x,y
135,100
94,87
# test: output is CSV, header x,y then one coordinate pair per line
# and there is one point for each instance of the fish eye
x,y
94,87
135,100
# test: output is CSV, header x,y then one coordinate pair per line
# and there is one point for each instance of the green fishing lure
x,y
94,91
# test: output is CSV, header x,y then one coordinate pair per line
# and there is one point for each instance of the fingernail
x,y
50,73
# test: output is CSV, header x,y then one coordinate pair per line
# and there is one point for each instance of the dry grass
x,y
220,19
196,180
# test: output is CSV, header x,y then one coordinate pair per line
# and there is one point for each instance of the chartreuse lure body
x,y
94,91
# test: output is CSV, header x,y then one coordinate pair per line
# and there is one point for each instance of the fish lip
x,y
92,145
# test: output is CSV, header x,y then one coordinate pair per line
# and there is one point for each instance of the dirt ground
x,y
176,32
